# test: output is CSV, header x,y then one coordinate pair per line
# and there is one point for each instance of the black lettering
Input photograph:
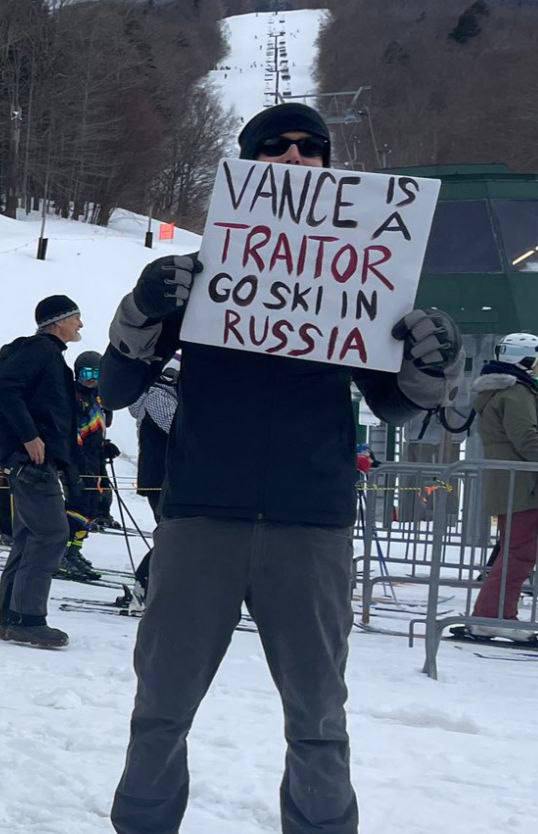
x,y
343,305
404,183
369,306
213,289
310,219
268,174
340,204
299,298
250,282
286,198
399,226
236,201
319,299
276,290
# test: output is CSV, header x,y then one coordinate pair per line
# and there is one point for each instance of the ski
x,y
522,657
460,634
379,611
131,532
126,574
87,607
94,603
111,610
368,629
99,583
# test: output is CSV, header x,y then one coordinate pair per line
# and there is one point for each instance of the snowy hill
x,y
262,45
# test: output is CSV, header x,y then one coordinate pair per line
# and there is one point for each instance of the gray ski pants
x,y
40,535
295,581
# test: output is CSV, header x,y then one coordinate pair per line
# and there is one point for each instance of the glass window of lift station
x,y
518,221
462,239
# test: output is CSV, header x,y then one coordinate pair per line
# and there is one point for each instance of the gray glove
x,y
433,358
165,285
431,339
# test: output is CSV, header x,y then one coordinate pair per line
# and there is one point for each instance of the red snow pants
x,y
522,550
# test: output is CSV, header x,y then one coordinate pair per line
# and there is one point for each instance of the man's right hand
x,y
36,450
165,285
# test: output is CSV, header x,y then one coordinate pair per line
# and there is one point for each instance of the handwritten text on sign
x,y
310,262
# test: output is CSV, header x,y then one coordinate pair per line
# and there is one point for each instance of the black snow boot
x,y
77,566
42,636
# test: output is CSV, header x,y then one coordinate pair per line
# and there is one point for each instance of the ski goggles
x,y
86,374
309,146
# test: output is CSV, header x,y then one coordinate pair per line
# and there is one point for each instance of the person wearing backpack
x,y
38,444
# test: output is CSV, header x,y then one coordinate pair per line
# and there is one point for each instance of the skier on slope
x,y
507,407
257,506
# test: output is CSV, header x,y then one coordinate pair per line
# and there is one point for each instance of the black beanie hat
x,y
280,119
53,309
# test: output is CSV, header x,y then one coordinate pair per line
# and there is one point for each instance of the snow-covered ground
x,y
456,755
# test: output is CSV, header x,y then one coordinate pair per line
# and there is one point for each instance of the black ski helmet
x,y
88,359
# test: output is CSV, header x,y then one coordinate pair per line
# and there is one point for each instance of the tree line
x,y
450,82
101,105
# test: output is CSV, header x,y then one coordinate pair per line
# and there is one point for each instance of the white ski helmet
x,y
519,349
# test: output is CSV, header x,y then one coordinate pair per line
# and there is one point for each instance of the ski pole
x,y
120,505
123,505
381,559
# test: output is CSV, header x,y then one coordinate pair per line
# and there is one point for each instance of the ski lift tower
x,y
342,110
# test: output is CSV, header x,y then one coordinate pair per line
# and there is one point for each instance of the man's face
x,y
311,154
68,329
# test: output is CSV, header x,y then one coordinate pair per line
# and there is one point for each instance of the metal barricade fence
x,y
448,545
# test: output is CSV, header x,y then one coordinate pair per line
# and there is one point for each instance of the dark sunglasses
x,y
309,146
85,374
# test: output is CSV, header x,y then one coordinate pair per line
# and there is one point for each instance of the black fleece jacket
x,y
257,436
37,399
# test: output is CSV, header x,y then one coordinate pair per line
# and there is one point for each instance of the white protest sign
x,y
309,262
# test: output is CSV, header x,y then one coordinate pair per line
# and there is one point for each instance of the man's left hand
x,y
431,339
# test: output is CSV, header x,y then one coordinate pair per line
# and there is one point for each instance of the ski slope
x,y
456,755
246,77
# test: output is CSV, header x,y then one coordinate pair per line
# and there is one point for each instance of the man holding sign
x,y
260,493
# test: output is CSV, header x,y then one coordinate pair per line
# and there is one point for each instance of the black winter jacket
x,y
257,436
37,399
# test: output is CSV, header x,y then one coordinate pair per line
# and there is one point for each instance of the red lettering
x,y
307,339
354,341
332,342
251,250
282,253
370,266
352,262
229,227
278,331
231,318
322,239
252,331
302,256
